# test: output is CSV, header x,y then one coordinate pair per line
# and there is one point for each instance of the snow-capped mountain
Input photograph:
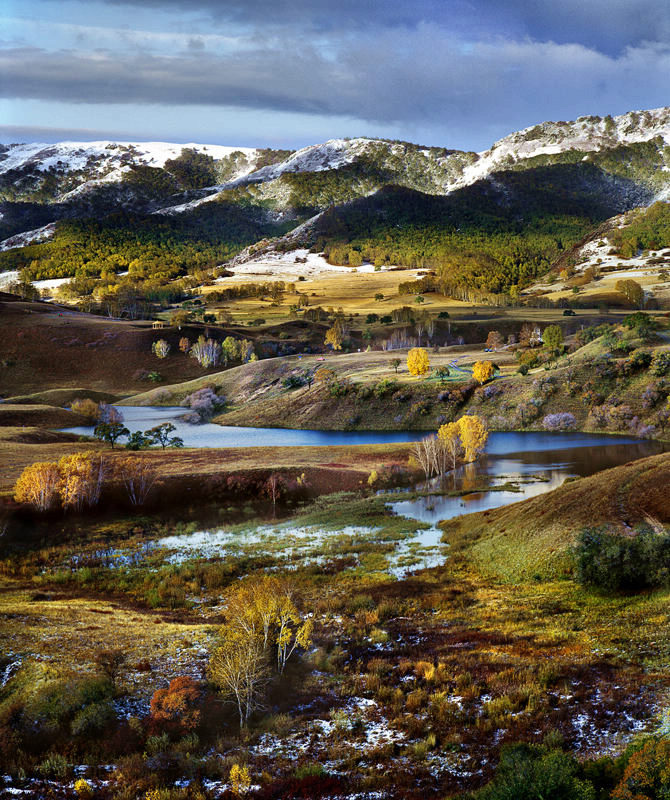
x,y
41,183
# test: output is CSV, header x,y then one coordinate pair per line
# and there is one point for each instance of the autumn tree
x,y
138,475
109,413
262,624
82,476
273,487
230,349
38,485
179,317
324,376
494,340
207,352
449,435
334,336
418,362
474,436
291,631
160,348
395,363
184,344
483,371
647,774
239,667
177,708
86,407
631,290
552,336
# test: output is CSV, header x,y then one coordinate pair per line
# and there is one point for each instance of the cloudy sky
x,y
285,73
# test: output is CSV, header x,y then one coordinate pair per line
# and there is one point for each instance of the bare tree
x,y
138,476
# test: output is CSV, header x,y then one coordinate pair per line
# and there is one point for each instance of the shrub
x,y
177,708
528,772
293,382
87,408
204,403
563,421
93,719
614,561
160,348
661,364
54,766
640,359
647,774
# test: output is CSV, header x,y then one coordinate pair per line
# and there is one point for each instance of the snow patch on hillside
x,y
74,156
29,237
332,154
586,134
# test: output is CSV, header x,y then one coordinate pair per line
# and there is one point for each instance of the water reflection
x,y
533,472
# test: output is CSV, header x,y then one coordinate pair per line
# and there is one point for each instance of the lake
x,y
211,435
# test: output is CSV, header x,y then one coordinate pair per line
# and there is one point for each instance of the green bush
x,y
661,364
93,719
617,562
528,772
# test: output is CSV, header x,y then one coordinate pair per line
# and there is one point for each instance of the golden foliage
x,y
38,485
474,436
450,437
81,480
240,780
334,336
87,408
261,618
418,362
483,371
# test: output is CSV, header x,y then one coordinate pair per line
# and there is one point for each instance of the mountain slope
x,y
552,181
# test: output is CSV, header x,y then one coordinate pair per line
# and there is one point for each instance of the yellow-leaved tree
x,y
483,371
335,335
418,362
38,485
262,623
473,435
449,436
82,476
240,780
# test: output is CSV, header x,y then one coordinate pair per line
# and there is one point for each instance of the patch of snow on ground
x,y
12,276
286,266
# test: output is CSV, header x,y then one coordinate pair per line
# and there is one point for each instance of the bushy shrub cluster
x,y
562,421
613,561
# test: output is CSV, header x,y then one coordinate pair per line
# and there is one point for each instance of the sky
x,y
287,73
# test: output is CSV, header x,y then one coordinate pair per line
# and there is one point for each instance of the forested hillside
x,y
499,233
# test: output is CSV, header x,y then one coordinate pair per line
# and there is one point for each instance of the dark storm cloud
x,y
606,25
398,77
